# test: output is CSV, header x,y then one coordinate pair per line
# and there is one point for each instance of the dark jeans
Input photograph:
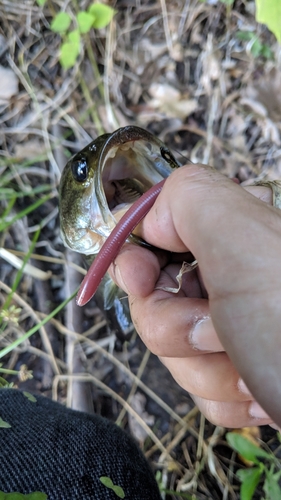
x,y
63,453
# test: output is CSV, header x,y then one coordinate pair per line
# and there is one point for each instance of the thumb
x,y
236,239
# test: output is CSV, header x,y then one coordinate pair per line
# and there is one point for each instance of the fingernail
x,y
119,278
243,388
256,411
203,336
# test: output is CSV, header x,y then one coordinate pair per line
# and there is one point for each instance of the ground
x,y
203,77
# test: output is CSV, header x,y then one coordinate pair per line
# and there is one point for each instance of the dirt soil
x,y
204,78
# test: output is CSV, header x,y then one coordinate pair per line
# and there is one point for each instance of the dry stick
x,y
180,430
37,320
26,82
181,433
79,396
110,48
213,463
45,355
54,260
166,26
44,297
134,386
81,338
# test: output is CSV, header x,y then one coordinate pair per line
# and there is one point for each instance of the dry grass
x,y
184,71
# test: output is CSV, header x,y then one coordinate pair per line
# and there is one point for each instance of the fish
x,y
97,187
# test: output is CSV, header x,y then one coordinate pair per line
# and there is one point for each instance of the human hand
x,y
222,330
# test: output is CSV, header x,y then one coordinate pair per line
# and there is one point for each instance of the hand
x,y
220,336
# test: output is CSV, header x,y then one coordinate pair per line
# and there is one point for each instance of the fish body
x,y
99,183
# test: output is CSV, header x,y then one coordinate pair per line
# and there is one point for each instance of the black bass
x,y
101,182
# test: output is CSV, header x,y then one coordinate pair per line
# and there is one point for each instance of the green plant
x,y
4,425
97,16
23,374
35,328
177,494
107,482
257,47
36,495
268,12
266,468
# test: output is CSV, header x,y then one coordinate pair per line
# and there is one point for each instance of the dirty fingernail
x,y
203,336
256,411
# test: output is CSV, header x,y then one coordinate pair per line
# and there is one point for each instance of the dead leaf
x,y
138,402
29,149
9,84
169,101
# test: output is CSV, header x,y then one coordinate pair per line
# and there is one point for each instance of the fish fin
x,y
110,290
113,301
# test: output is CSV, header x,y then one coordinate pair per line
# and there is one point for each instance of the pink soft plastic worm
x,y
114,242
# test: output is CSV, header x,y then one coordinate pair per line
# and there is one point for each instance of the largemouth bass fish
x,y
101,182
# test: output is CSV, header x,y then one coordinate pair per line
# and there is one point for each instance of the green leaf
x,y
4,424
3,383
70,50
30,397
14,496
41,2
268,12
61,22
245,35
267,52
271,486
250,479
74,37
106,481
85,21
118,490
102,14
256,48
247,449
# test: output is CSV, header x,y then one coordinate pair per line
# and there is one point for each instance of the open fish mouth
x,y
100,183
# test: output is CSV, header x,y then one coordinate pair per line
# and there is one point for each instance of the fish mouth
x,y
122,180
126,172
128,165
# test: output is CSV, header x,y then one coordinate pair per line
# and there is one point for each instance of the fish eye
x,y
80,169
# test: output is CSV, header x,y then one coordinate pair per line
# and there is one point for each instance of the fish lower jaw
x,y
89,243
